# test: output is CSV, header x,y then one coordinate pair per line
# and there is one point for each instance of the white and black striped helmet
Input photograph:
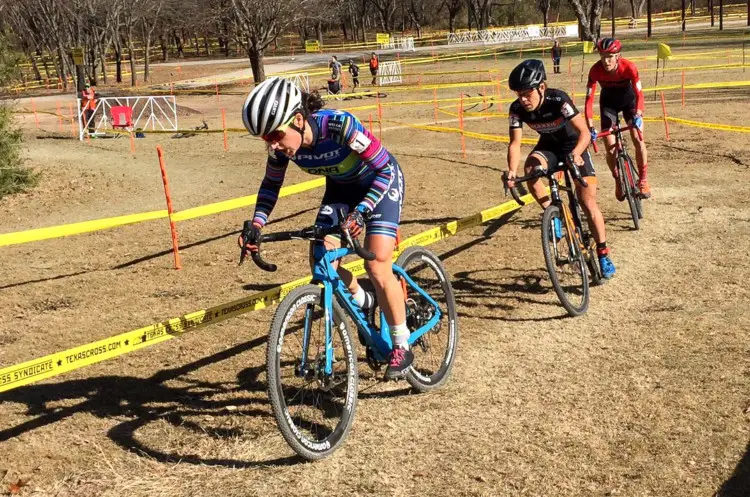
x,y
270,105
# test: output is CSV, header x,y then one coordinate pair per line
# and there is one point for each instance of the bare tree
x,y
258,23
454,8
480,11
149,21
589,13
386,10
636,8
543,7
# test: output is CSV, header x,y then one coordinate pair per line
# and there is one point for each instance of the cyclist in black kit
x,y
564,137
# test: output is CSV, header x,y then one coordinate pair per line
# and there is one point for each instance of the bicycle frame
x,y
570,210
325,274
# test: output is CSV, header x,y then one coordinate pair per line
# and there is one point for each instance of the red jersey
x,y
622,79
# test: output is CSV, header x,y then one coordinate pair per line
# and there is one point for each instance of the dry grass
x,y
646,395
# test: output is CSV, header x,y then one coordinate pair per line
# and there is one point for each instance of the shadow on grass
x,y
738,485
143,401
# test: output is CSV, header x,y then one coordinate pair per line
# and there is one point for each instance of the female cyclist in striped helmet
x,y
621,92
362,178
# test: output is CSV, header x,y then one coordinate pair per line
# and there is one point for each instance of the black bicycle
x,y
567,244
627,173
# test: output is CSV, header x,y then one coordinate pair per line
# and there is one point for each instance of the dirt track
x,y
643,396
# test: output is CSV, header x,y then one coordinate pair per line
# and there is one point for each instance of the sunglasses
x,y
278,133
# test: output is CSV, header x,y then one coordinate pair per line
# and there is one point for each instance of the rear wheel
x,y
565,263
435,351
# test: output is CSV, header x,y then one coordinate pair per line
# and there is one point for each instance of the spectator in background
x,y
354,71
556,55
335,66
374,63
88,106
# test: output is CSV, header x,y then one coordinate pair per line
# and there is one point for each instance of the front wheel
x,y
435,351
565,262
629,189
314,409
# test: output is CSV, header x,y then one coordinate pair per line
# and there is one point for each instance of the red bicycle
x,y
627,173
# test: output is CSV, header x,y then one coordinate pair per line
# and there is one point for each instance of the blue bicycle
x,y
312,364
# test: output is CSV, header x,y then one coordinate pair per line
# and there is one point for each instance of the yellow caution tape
x,y
468,134
78,228
28,372
698,124
226,205
113,222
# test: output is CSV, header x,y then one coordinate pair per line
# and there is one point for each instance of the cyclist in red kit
x,y
621,92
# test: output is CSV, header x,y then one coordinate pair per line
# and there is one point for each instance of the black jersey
x,y
551,119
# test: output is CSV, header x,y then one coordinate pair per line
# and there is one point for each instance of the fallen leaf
x,y
15,488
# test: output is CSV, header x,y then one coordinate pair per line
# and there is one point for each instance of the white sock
x,y
400,334
360,297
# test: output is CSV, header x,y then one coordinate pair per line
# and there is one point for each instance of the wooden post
x,y
664,112
172,227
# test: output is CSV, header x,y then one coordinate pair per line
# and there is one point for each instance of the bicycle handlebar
x,y
311,233
539,173
612,130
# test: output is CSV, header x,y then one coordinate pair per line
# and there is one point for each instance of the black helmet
x,y
527,75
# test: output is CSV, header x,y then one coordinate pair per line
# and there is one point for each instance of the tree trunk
x,y
343,29
648,11
35,67
197,46
256,63
131,55
206,45
451,22
721,15
612,14
545,13
319,32
683,15
178,42
164,49
103,60
147,59
118,64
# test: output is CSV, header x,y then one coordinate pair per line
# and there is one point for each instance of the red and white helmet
x,y
609,45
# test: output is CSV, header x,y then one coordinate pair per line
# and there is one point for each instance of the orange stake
x,y
59,118
570,66
36,117
132,143
371,128
217,90
664,112
224,125
434,103
172,227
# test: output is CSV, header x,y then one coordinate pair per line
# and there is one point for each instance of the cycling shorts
x,y
614,101
386,216
554,154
